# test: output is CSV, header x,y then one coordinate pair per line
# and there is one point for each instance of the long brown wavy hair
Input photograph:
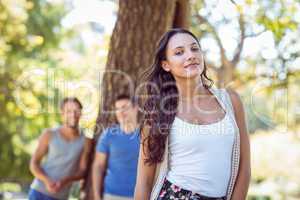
x,y
160,107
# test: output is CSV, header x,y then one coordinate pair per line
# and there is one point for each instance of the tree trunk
x,y
225,76
139,26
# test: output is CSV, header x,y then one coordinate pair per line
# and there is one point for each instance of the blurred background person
x,y
115,164
65,151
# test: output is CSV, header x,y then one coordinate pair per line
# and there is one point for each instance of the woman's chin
x,y
192,73
188,73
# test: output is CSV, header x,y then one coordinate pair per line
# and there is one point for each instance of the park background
x,y
50,49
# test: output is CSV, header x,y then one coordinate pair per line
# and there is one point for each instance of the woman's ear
x,y
165,65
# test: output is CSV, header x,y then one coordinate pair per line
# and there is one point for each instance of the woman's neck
x,y
189,89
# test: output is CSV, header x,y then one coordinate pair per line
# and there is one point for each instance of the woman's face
x,y
184,57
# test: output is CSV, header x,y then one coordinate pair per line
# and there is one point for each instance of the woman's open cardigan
x,y
162,168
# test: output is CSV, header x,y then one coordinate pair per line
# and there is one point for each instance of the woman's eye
x,y
195,49
178,52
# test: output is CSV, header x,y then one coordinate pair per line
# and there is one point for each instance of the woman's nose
x,y
191,55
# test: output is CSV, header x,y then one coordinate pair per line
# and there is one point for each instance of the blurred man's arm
x,y
35,162
99,169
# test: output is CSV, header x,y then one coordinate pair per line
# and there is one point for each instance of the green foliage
x,y
278,17
279,67
36,72
30,30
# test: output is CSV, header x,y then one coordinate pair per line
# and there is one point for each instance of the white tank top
x,y
200,155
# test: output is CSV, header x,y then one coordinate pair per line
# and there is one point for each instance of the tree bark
x,y
139,26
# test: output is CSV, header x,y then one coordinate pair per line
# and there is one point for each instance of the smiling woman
x,y
194,138
191,67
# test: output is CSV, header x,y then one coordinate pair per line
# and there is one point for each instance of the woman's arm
x,y
145,173
244,174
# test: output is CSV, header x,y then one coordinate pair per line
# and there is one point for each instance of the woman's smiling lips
x,y
191,65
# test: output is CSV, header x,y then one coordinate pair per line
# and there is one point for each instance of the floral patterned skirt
x,y
171,191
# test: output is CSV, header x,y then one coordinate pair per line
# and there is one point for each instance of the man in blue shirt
x,y
117,151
